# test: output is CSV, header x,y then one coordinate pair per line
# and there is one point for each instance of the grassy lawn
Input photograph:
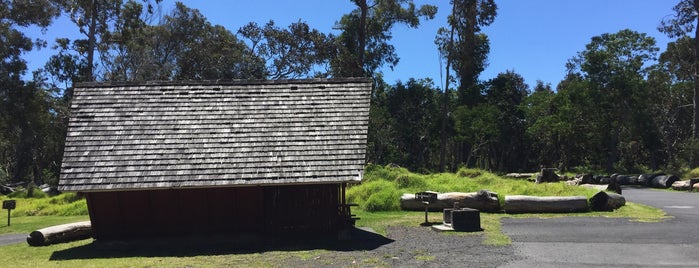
x,y
84,254
27,224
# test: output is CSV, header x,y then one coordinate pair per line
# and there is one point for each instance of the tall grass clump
x,y
383,186
66,204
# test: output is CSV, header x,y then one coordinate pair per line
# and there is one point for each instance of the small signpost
x,y
9,205
426,197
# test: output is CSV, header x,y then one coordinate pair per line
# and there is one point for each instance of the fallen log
x,y
482,200
663,181
545,204
60,234
646,179
604,201
520,175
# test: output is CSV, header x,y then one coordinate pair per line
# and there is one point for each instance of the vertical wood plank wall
x,y
279,210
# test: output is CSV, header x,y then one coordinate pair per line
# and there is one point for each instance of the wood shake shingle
x,y
213,133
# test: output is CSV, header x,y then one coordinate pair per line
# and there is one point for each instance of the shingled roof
x,y
213,133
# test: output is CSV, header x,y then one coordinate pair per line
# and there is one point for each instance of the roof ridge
x,y
225,82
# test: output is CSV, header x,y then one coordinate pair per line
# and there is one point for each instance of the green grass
x,y
84,254
27,224
383,186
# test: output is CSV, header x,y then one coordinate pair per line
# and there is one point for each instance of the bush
x,y
468,173
23,193
383,201
694,173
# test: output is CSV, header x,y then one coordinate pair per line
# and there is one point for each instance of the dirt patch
x,y
418,247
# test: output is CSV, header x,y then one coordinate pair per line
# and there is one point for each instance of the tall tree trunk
x,y
695,121
92,40
362,35
445,107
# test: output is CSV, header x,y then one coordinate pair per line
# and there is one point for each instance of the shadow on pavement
x,y
350,240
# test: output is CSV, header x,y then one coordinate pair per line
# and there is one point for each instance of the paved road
x,y
12,239
600,242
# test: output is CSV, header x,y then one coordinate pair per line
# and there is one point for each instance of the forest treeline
x,y
623,106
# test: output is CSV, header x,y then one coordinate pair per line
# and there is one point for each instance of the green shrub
x,y
382,201
410,181
468,173
694,173
22,193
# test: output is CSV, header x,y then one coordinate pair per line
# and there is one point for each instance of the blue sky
x,y
534,38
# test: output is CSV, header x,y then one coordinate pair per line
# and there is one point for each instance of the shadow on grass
x,y
352,240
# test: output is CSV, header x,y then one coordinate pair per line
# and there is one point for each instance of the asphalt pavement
x,y
10,239
610,242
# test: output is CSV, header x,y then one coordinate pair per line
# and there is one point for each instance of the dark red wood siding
x,y
272,209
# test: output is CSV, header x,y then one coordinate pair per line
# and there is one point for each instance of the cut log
x,y
520,175
663,181
693,183
60,234
604,201
681,186
626,179
645,179
482,200
545,204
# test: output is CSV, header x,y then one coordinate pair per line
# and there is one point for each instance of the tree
x,y
468,51
25,109
288,53
506,93
683,22
613,65
672,81
363,46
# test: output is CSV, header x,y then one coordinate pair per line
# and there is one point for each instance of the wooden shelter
x,y
164,158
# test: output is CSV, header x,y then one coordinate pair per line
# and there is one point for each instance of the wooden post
x,y
9,205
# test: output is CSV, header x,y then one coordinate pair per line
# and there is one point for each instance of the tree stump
x,y
466,220
545,204
547,175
